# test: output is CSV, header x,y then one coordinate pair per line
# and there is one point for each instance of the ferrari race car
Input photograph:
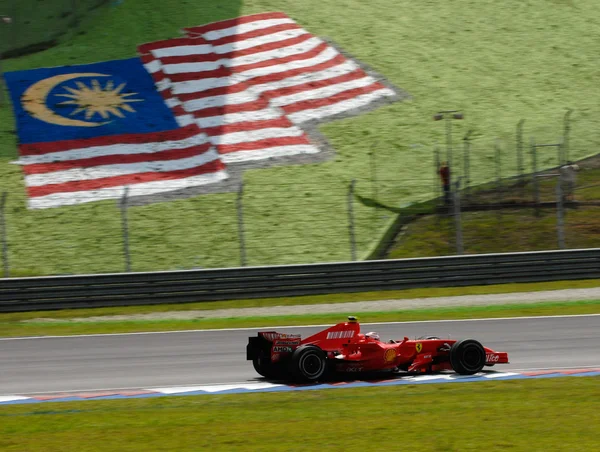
x,y
343,349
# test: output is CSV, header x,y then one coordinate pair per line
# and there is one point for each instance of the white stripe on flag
x,y
244,28
220,101
321,93
119,169
114,149
232,118
339,107
146,188
277,151
199,49
255,135
258,41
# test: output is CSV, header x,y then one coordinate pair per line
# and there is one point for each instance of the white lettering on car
x,y
492,358
280,349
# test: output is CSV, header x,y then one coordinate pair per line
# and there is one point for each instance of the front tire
x,y
308,363
467,357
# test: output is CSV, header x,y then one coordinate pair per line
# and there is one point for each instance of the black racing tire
x,y
467,357
308,363
263,365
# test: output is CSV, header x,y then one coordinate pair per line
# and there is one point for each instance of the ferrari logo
x,y
419,347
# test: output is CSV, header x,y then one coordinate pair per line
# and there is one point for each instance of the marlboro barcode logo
x,y
340,334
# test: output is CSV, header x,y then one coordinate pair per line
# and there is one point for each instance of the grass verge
x,y
473,56
551,414
69,327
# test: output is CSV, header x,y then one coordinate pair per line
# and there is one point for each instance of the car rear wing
x,y
271,341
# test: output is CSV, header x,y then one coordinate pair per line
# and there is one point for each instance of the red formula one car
x,y
343,349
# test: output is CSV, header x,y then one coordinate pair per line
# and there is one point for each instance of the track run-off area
x,y
60,368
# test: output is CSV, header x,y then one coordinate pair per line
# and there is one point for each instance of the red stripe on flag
x,y
248,125
134,138
264,79
262,144
278,92
120,181
173,154
202,58
197,75
253,34
174,42
344,95
259,104
227,72
218,91
228,23
339,59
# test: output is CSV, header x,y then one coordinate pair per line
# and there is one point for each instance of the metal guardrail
x,y
128,289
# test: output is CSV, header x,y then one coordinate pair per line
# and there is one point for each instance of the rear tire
x,y
263,365
309,363
467,357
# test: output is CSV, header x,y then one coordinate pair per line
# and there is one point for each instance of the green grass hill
x,y
497,62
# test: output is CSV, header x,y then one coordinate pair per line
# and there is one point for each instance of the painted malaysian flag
x,y
85,132
233,91
251,81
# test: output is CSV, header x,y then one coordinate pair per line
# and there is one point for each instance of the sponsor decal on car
x,y
287,342
492,358
419,347
280,349
389,355
289,336
269,336
346,334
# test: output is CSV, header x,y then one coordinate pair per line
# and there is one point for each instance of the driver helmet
x,y
373,335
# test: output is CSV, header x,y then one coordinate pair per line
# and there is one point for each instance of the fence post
x,y
241,231
535,181
373,161
519,148
498,159
125,228
351,220
436,176
467,161
457,218
566,133
560,215
3,236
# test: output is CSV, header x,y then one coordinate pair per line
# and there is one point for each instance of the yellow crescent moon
x,y
34,101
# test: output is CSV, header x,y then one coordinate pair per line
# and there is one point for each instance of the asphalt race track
x,y
86,363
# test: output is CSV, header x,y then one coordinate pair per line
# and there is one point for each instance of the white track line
x,y
270,328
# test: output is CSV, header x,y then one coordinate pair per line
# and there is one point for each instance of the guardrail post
x,y
457,218
351,220
240,217
3,236
125,229
560,215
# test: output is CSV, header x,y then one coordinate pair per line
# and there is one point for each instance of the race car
x,y
343,349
